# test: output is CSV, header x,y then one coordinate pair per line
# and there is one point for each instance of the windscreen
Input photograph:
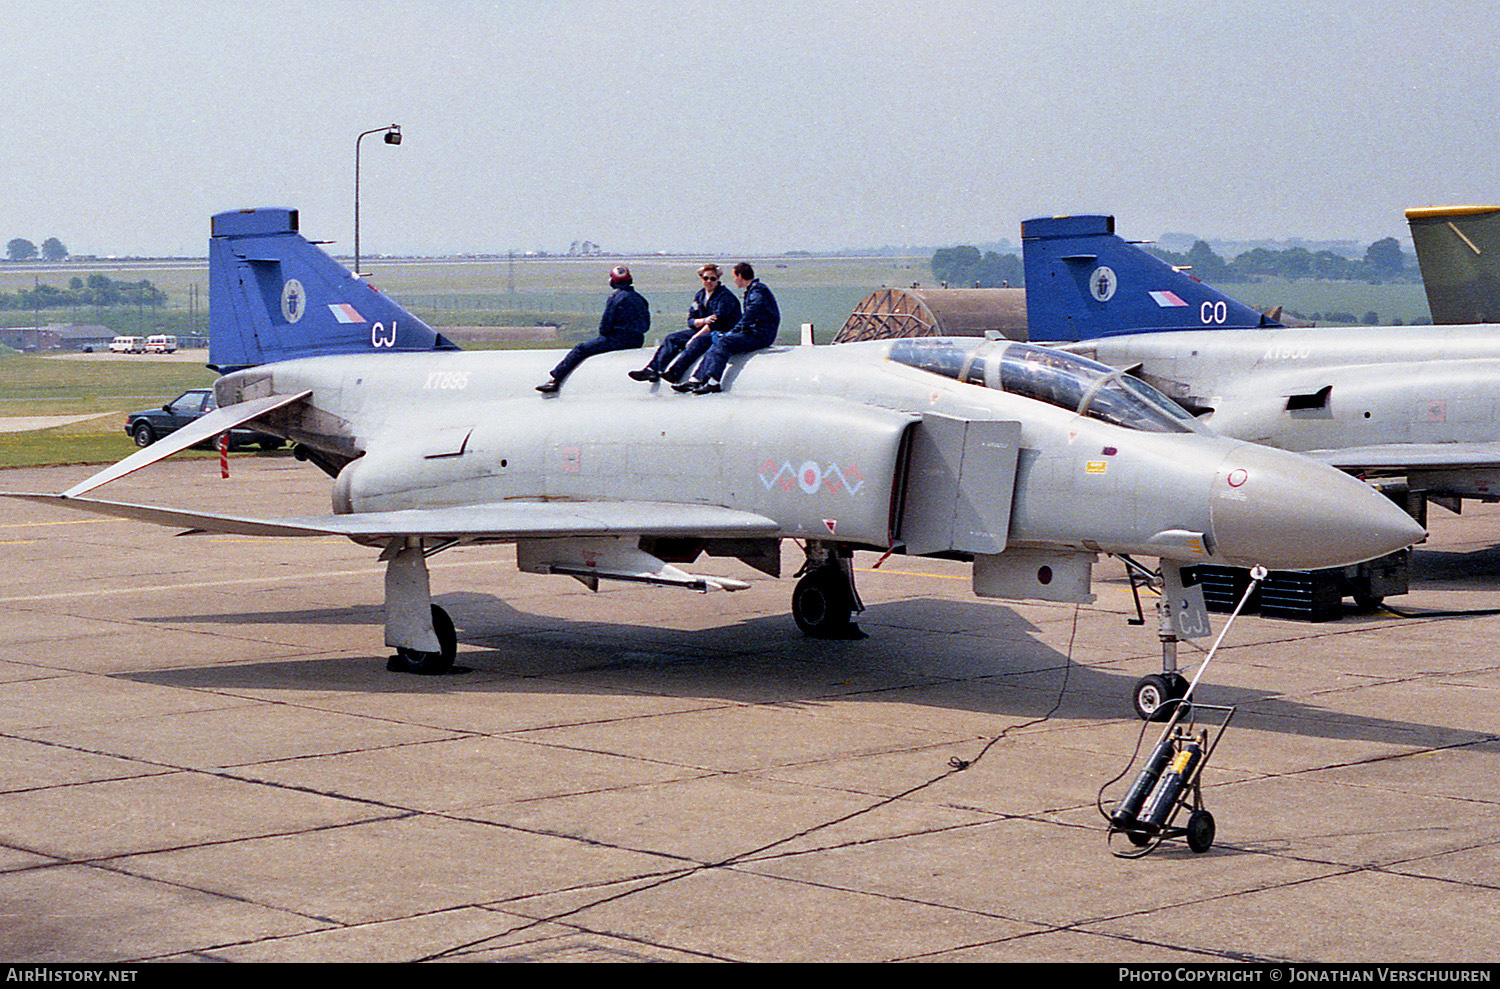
x,y
1052,376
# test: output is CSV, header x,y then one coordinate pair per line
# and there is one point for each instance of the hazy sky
x,y
743,126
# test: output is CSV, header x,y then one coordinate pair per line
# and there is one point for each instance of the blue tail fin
x,y
274,296
1083,282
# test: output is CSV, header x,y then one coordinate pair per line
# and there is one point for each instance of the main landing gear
x,y
421,632
409,660
825,600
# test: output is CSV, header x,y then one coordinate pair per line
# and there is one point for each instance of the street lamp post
x,y
392,136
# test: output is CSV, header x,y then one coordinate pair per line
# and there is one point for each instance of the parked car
x,y
127,345
149,425
161,343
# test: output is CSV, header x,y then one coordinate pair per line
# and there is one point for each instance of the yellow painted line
x,y
33,525
909,573
18,542
241,582
219,539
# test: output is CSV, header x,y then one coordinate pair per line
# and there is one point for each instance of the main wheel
x,y
431,663
1156,695
143,434
1200,831
821,604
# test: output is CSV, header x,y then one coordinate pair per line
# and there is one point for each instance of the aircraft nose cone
x,y
1287,512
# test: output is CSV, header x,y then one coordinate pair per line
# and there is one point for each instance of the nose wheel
x,y
1155,696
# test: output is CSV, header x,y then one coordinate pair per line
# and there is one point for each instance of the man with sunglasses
x,y
715,310
759,321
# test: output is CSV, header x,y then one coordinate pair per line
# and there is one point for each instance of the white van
x,y
161,344
127,345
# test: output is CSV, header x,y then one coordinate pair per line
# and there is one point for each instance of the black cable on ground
x,y
955,764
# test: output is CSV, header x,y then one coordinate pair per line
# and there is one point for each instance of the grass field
x,y
465,292
498,292
570,292
52,386
32,385
1404,302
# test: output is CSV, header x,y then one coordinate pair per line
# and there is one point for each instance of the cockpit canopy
x,y
1052,376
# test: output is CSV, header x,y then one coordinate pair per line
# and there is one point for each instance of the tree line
x,y
21,249
1383,261
97,290
965,267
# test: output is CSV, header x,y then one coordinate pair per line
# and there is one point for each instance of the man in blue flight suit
x,y
759,321
714,310
627,317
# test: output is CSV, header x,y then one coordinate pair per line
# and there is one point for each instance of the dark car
x,y
150,425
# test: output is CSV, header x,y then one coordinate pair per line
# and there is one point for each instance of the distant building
x,y
76,337
56,336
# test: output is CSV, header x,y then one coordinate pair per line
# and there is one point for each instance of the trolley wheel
x,y
1200,831
1154,694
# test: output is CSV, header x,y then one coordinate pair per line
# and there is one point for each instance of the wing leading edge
x,y
498,521
1395,456
206,428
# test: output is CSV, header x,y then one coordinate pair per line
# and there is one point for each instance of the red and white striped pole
x,y
224,455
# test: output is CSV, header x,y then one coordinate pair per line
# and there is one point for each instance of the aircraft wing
x,y
496,521
1411,455
206,428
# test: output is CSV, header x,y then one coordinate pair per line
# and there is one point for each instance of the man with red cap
x,y
627,317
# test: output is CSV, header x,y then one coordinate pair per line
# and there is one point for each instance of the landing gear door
x,y
961,475
1184,603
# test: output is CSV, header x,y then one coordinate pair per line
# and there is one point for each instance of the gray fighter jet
x,y
1418,402
1026,461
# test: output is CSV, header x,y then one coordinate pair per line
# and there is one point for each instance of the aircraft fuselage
x,y
817,439
1414,399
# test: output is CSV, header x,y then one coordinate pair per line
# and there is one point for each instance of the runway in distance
x,y
1027,461
1413,402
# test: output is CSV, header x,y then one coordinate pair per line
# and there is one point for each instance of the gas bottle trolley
x,y
1170,783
